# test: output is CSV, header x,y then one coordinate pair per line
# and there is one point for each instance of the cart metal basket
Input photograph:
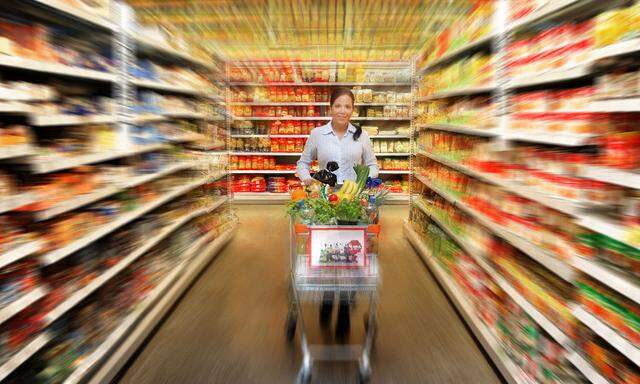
x,y
310,284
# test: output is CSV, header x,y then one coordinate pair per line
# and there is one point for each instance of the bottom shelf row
x,y
88,336
518,336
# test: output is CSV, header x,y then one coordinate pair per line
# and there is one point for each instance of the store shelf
x,y
89,363
24,354
81,294
145,43
187,138
184,114
272,136
458,52
20,252
115,187
62,120
477,255
14,108
61,253
391,172
261,197
76,202
551,77
9,203
157,85
311,103
608,334
392,154
551,10
606,226
261,172
238,153
166,170
106,361
19,63
287,118
550,138
486,337
21,303
47,164
628,104
142,119
617,49
586,368
629,179
366,118
546,324
462,129
13,151
306,136
565,206
66,9
616,280
467,91
390,137
316,84
555,265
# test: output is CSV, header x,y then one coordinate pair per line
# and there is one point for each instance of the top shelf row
x,y
553,10
104,19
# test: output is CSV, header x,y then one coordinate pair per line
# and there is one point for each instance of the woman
x,y
338,141
347,145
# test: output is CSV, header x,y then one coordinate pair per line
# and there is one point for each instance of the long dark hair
x,y
337,92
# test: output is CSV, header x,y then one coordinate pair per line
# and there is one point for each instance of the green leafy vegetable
x,y
350,210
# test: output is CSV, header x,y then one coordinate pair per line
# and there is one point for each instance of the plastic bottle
x,y
372,210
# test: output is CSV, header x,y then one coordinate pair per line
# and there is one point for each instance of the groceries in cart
x,y
354,203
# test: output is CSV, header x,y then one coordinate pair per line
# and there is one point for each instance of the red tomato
x,y
333,198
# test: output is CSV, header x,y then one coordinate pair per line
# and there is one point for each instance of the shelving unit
x,y
505,140
249,88
189,175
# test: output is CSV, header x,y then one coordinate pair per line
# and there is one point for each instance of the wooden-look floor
x,y
228,328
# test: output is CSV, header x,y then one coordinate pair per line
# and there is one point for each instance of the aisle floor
x,y
228,328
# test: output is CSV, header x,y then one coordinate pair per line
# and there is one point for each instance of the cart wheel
x,y
364,377
366,324
290,326
304,377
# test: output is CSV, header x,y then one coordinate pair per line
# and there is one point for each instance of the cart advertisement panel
x,y
337,247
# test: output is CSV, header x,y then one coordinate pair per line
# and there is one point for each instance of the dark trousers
x,y
343,323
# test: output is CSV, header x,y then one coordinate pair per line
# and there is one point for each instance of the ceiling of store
x,y
305,29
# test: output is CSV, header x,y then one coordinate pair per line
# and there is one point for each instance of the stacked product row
x,y
108,204
530,219
276,106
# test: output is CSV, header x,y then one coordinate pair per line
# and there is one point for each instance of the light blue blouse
x,y
323,145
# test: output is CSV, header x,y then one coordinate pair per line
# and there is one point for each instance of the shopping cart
x,y
346,270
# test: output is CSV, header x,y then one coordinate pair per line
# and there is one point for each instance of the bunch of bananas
x,y
348,190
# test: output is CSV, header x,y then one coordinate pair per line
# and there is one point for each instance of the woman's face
x,y
342,109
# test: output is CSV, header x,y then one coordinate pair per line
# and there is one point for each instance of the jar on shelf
x,y
290,145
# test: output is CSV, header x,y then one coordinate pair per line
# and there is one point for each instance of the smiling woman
x,y
338,141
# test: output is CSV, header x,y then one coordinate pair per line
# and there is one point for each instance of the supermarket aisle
x,y
229,327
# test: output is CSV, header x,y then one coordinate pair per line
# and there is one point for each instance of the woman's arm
x,y
309,154
368,156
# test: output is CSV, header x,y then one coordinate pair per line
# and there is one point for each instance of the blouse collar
x,y
328,129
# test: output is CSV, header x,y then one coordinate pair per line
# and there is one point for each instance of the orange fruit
x,y
298,194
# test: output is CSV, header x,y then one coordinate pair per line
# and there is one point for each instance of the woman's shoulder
x,y
318,131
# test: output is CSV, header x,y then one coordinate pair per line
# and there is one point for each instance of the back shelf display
x,y
311,111
286,184
327,73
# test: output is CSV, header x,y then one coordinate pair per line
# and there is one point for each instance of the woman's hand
x,y
307,182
